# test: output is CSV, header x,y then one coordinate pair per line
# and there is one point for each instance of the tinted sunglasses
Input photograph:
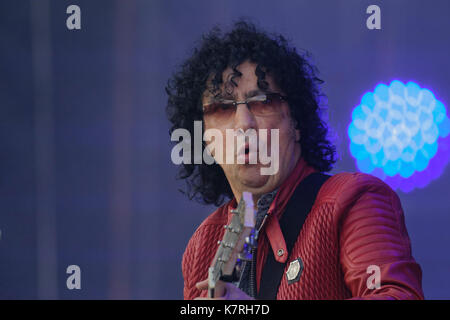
x,y
260,105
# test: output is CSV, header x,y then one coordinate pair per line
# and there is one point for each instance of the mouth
x,y
243,155
247,149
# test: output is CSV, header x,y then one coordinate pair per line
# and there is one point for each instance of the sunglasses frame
x,y
258,98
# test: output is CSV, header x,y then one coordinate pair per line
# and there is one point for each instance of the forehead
x,y
238,86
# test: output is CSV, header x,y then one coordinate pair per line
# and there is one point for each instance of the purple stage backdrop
x,y
86,176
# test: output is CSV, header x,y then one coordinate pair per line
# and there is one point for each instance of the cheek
x,y
285,137
287,125
285,128
207,124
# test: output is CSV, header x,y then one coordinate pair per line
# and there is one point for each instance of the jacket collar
x,y
272,227
301,170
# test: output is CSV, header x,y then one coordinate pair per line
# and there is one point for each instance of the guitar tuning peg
x,y
250,241
227,245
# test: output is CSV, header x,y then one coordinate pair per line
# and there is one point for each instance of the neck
x,y
257,193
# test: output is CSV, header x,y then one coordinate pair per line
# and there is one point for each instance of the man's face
x,y
248,177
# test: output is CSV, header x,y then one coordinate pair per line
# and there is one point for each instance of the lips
x,y
243,154
244,150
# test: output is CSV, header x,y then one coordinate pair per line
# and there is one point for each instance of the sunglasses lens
x,y
267,107
220,111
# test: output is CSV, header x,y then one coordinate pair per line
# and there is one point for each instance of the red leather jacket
x,y
356,221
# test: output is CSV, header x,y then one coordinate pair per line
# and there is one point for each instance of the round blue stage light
x,y
396,128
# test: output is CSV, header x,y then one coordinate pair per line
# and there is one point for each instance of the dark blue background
x,y
86,176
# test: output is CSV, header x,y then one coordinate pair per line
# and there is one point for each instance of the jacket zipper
x,y
252,274
253,264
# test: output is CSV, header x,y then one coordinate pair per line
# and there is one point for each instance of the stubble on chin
x,y
249,177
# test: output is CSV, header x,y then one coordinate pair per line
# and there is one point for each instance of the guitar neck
x,y
233,245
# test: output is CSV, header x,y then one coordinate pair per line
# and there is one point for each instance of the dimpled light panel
x,y
398,132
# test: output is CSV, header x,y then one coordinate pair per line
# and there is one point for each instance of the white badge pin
x,y
294,271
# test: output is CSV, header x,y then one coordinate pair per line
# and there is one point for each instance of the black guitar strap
x,y
291,223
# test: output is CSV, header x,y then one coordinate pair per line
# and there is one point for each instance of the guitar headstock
x,y
235,245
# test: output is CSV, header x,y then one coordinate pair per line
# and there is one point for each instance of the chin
x,y
250,175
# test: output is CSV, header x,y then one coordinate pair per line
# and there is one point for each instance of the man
x,y
246,80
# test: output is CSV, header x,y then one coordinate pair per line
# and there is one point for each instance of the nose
x,y
244,118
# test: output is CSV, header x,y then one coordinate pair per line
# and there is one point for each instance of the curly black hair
x,y
291,71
